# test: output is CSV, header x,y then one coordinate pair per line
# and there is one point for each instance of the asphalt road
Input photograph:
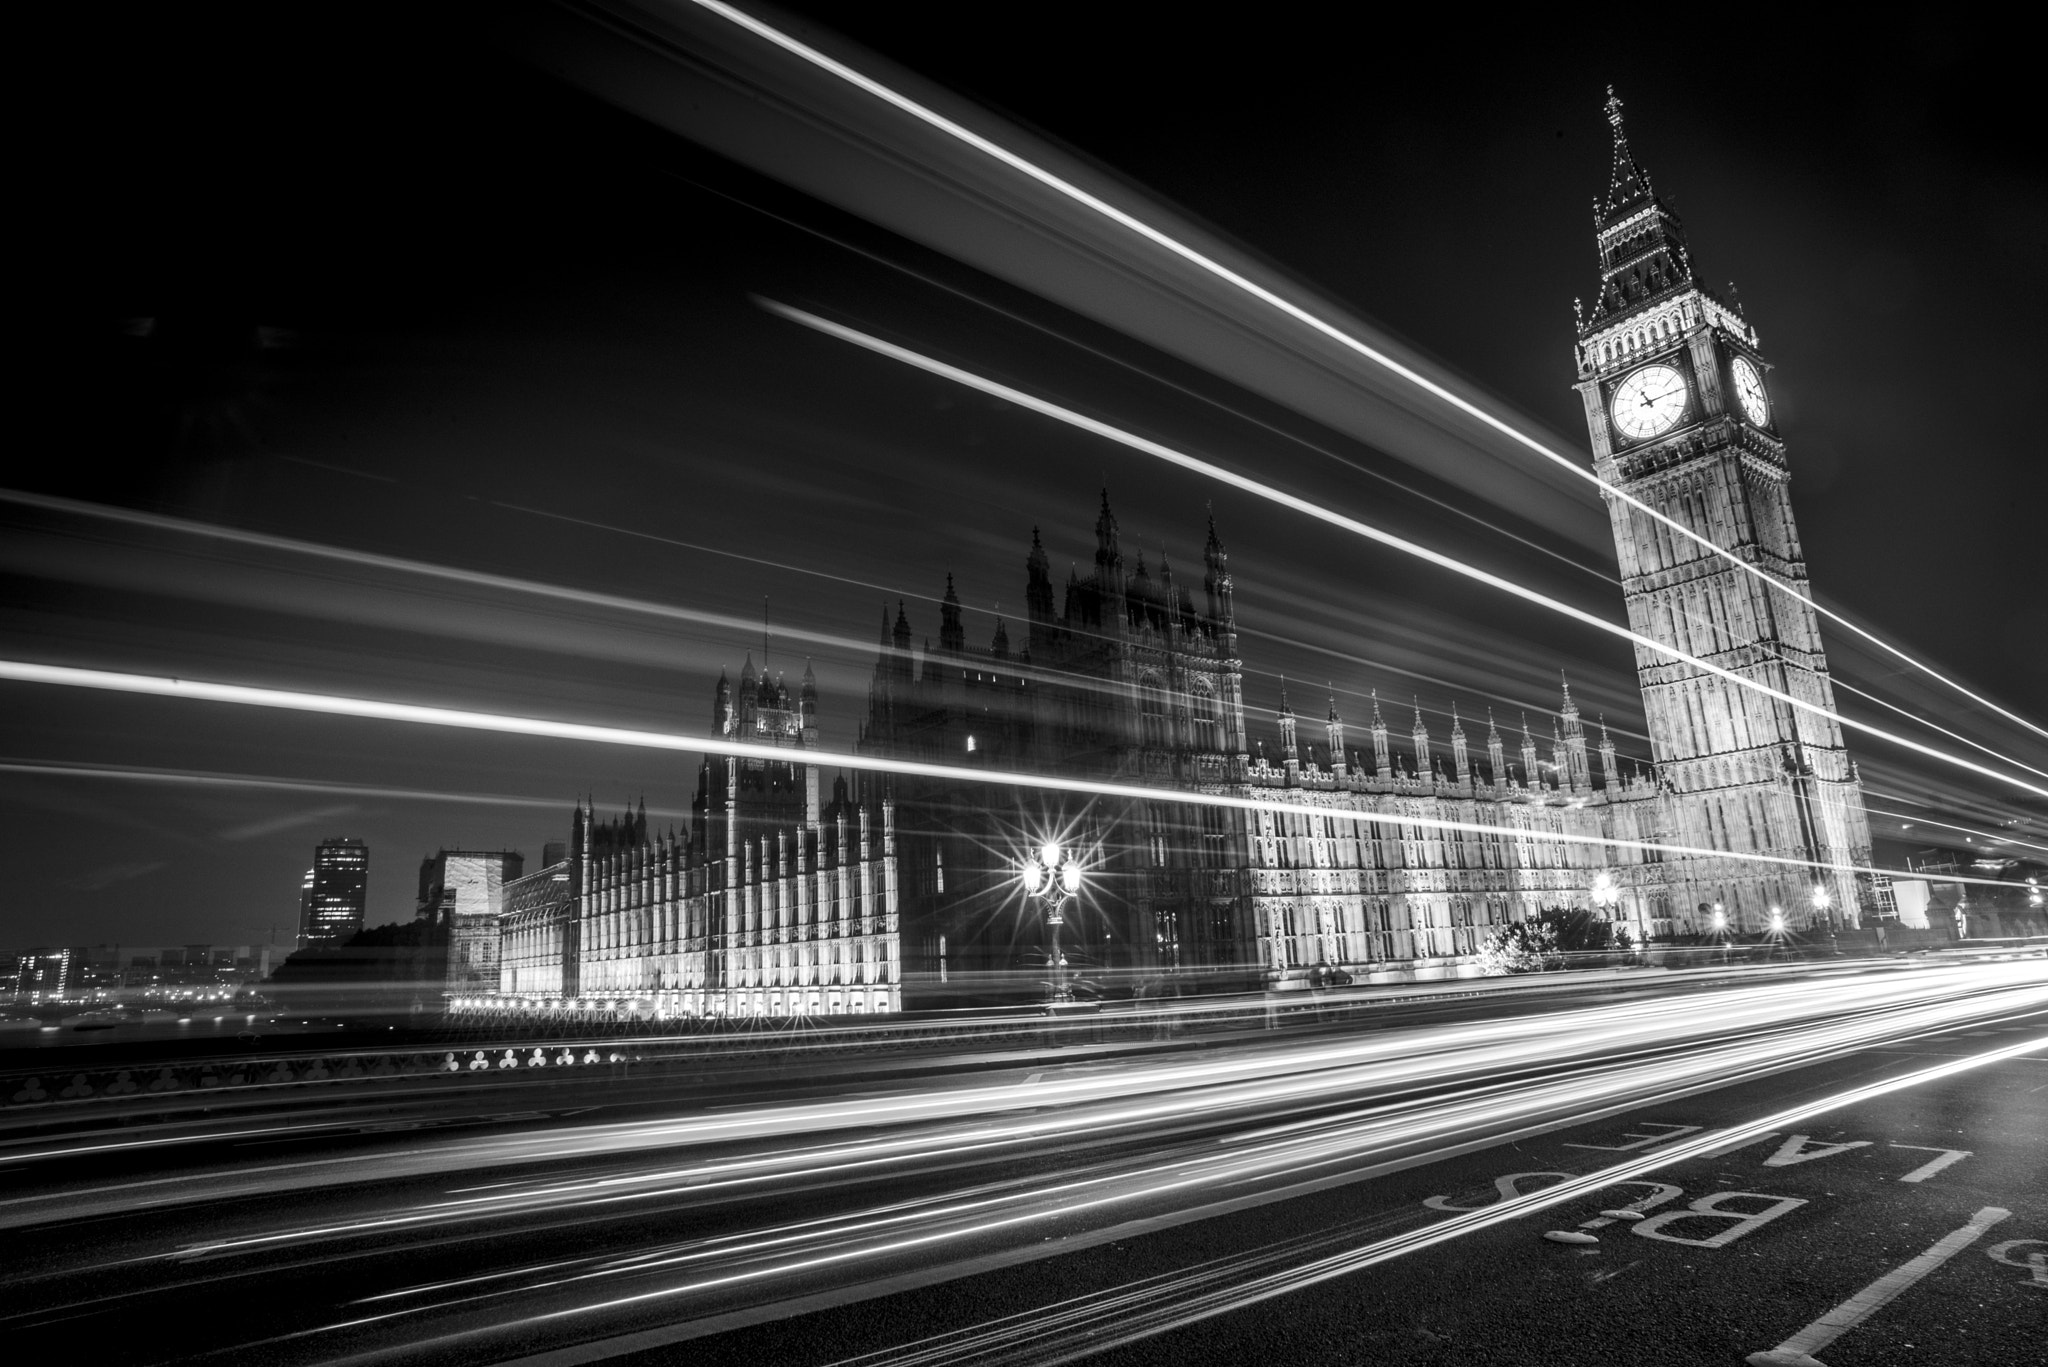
x,y
1831,1208
1200,1200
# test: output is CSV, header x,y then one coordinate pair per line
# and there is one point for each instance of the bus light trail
x,y
65,676
1217,270
923,1183
1295,503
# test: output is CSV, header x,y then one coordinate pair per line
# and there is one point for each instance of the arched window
x,y
1156,728
1205,719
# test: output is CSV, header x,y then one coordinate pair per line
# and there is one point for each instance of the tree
x,y
1549,942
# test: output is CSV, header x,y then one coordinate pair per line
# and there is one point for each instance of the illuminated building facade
x,y
773,903
464,892
1392,899
332,905
1131,679
1137,681
1682,422
909,895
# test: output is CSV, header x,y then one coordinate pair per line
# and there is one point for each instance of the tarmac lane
x,y
1127,1204
1902,1229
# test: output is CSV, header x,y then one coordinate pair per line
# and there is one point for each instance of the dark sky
x,y
366,280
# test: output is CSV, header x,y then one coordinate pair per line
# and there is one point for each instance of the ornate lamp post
x,y
1605,895
1052,876
1822,901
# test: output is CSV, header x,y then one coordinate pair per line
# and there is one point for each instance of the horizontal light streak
x,y
1768,1031
1999,837
746,628
200,778
152,685
1853,1010
932,119
1295,503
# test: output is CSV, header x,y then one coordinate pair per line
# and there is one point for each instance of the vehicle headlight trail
x,y
22,671
1344,522
1171,1142
1238,282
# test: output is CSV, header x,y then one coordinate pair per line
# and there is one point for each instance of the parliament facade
x,y
1387,855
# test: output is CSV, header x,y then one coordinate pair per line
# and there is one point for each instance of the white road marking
x,y
1796,1150
1931,1167
1033,1078
1741,1222
2035,1263
1741,1143
1642,1141
1798,1350
1509,1187
1660,1192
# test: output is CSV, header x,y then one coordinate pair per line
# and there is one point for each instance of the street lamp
x,y
1053,876
1822,900
1605,894
1720,917
1777,920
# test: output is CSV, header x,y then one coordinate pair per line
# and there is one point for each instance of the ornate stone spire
x,y
1641,242
1290,755
1335,727
1627,182
952,635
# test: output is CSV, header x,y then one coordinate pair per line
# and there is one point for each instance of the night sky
x,y
377,282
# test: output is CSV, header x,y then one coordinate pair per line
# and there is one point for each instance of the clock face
x,y
1749,392
1649,401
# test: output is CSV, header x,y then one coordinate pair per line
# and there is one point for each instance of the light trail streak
x,y
152,685
204,779
1679,1151
1594,1064
747,628
1186,391
1854,1008
1217,270
2001,837
1119,1317
1295,503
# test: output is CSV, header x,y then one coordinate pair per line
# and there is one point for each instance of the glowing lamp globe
x,y
1820,897
1051,854
1070,878
1034,875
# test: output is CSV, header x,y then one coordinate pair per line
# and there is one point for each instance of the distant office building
x,y
464,891
305,904
332,907
42,975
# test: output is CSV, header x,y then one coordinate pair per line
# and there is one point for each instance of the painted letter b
x,y
1740,1222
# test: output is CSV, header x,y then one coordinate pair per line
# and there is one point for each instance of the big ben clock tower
x,y
1678,404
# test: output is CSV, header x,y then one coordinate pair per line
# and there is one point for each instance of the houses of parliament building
x,y
1389,854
